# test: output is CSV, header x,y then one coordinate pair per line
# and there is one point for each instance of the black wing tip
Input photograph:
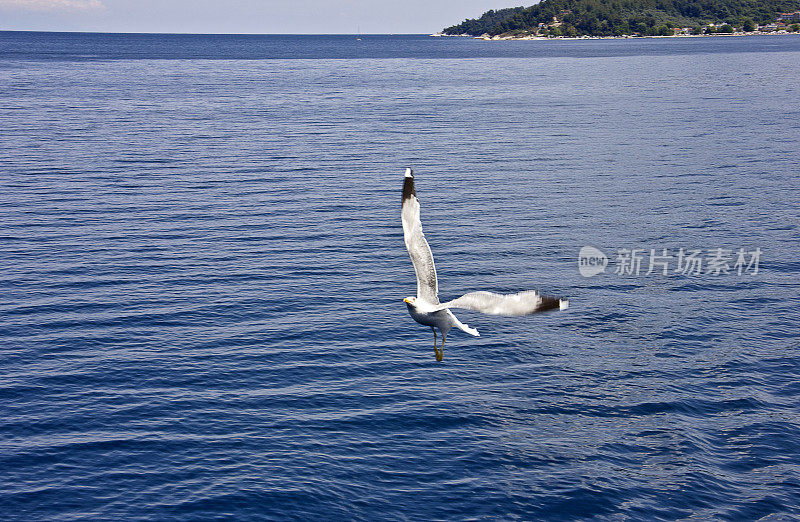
x,y
408,185
549,303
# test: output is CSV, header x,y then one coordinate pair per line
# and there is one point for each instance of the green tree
x,y
639,27
749,25
795,28
569,31
646,17
726,29
697,30
621,28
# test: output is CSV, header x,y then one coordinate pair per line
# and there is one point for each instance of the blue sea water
x,y
203,269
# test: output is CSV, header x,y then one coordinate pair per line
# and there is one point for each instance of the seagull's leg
x,y
435,350
440,355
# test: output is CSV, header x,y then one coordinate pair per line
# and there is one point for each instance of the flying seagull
x,y
426,309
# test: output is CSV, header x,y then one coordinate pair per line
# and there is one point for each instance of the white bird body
x,y
443,319
426,309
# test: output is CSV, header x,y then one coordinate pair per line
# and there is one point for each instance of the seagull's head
x,y
419,306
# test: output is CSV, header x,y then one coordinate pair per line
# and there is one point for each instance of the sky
x,y
243,16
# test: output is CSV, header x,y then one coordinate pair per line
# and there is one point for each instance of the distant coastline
x,y
581,19
495,38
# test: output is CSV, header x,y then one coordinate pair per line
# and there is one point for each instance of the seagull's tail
x,y
471,331
464,327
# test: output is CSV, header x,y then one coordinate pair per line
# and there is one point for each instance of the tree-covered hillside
x,y
622,17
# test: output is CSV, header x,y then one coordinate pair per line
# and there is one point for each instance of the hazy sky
x,y
243,16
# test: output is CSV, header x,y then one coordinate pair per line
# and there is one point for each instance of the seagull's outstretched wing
x,y
417,245
522,303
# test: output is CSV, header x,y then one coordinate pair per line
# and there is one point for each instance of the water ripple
x,y
202,313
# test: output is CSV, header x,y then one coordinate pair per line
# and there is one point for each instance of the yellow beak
x,y
406,300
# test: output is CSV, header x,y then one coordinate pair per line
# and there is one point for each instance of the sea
x,y
203,273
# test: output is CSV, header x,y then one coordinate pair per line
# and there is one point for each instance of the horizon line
x,y
210,34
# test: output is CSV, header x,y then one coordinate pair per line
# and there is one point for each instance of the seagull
x,y
425,307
